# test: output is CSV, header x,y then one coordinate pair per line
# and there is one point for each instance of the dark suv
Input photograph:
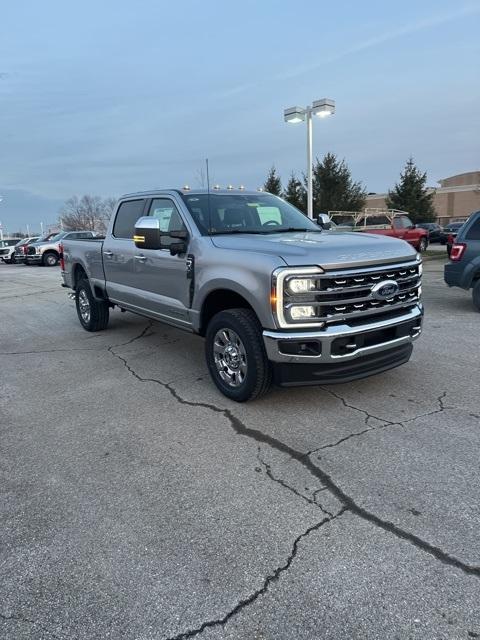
x,y
435,231
463,270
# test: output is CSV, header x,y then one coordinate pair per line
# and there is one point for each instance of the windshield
x,y
9,243
244,213
59,236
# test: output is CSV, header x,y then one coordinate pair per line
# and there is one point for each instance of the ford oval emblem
x,y
385,290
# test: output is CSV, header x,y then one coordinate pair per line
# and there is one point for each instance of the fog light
x,y
302,312
301,285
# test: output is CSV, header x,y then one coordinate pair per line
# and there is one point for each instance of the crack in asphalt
x,y
304,459
282,483
272,577
19,618
387,424
143,334
351,406
24,295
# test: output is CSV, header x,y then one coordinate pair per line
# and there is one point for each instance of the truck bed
x,y
86,252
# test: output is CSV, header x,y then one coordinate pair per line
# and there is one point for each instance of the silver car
x,y
47,252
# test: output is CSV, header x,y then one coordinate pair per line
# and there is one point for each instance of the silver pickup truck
x,y
276,297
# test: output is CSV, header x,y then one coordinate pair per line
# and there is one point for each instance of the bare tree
x,y
89,213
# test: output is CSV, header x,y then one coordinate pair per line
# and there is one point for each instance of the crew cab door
x,y
119,251
162,287
401,225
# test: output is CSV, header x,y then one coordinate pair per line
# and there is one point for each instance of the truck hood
x,y
327,249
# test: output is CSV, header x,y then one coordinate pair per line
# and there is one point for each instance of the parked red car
x,y
387,223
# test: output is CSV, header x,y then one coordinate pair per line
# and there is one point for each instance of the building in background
x,y
456,198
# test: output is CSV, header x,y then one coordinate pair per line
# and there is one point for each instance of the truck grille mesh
x,y
347,294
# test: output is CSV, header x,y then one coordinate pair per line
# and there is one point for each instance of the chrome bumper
x,y
276,340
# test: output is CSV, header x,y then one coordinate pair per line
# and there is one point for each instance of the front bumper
x,y
33,258
333,347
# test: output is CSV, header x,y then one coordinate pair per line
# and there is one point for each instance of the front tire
x,y
50,259
236,356
12,259
476,295
422,245
93,314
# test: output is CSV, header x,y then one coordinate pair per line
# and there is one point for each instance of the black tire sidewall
x,y
46,257
84,286
476,295
254,349
99,311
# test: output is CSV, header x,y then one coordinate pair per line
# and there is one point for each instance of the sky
x,y
112,97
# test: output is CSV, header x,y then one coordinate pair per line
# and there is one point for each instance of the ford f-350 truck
x,y
276,297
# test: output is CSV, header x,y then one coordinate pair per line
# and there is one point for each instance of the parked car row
x,y
35,250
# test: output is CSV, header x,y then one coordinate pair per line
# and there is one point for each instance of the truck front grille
x,y
347,294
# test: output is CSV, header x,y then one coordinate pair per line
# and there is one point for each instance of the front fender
x,y
253,287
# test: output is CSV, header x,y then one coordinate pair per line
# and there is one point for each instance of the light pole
x,y
321,108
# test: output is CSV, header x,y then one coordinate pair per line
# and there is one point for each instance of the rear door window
x,y
127,215
474,232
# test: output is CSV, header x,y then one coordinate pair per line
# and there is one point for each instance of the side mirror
x,y
323,220
149,236
147,233
177,248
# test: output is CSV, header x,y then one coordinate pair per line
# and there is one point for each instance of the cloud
x,y
370,43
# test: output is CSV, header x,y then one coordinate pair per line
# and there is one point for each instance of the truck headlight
x,y
294,295
301,285
302,312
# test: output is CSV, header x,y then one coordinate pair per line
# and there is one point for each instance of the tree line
x,y
335,190
88,213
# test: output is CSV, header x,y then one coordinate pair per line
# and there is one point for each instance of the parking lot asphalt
x,y
139,503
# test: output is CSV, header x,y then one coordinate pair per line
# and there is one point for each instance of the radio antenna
x,y
208,199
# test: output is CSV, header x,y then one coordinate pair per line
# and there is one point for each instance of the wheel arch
x,y
221,299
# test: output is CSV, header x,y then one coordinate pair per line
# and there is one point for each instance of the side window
x,y
474,232
401,222
165,210
127,215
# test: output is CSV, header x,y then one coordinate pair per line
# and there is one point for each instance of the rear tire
x,y
93,314
476,295
236,356
50,259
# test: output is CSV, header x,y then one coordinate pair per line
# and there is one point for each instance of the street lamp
x,y
320,108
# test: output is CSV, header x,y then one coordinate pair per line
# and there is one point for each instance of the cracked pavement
x,y
138,503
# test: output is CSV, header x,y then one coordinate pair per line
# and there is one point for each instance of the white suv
x,y
7,249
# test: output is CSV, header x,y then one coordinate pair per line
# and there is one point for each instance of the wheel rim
x,y
230,357
51,260
84,306
423,245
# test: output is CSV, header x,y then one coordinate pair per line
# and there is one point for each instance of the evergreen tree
x,y
333,187
411,194
273,183
295,193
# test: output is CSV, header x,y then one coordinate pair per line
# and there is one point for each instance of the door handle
x,y
140,258
109,254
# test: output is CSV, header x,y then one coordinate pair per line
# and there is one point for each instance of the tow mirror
x,y
177,248
147,233
323,220
149,236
